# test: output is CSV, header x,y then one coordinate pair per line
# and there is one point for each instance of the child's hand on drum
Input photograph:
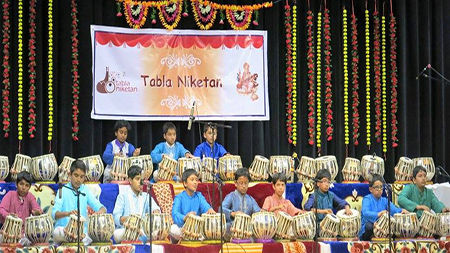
x,y
74,212
381,213
348,211
446,210
326,211
211,211
190,213
404,211
423,207
234,213
36,212
156,211
137,152
188,155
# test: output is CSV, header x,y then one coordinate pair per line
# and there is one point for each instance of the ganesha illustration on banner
x,y
247,83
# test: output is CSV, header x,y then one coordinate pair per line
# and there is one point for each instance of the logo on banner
x,y
113,83
247,83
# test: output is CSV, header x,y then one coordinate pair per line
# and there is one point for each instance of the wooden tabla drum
x,y
259,169
372,165
94,167
167,168
306,169
284,225
71,229
404,169
352,169
209,168
21,162
264,225
38,229
406,225
228,165
427,223
328,162
101,227
119,168
192,228
211,228
185,163
428,163
12,229
304,226
381,226
443,224
64,169
144,162
133,225
329,226
161,226
4,167
241,227
350,224
281,164
44,167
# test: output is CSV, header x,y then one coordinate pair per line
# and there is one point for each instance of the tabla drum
x,y
185,163
241,227
406,225
328,162
161,226
64,169
44,167
259,169
370,165
427,223
94,167
428,163
350,224
264,225
329,226
209,169
211,228
11,229
21,162
144,162
38,229
443,224
352,169
306,169
281,164
119,168
381,226
71,229
192,228
133,225
304,226
284,225
228,165
167,169
403,169
4,167
101,227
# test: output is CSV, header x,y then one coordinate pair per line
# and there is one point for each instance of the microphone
x,y
191,116
423,70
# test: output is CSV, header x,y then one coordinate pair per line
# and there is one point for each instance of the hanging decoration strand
x,y
394,79
345,56
32,70
383,81
355,81
6,32
289,72
367,77
20,73
318,83
294,72
377,73
50,73
328,73
311,76
75,73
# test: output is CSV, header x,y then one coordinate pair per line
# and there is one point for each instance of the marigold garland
x,y
6,30
50,72
204,2
345,54
141,12
239,19
32,70
294,72
328,72
170,15
355,81
319,80
204,15
394,80
75,74
20,72
311,76
383,81
377,74
367,78
289,73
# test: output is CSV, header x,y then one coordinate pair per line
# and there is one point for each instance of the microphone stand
x,y
388,190
439,173
316,236
220,183
149,187
77,192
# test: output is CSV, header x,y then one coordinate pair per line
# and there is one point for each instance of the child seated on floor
x,y
20,203
118,147
187,202
207,148
326,200
132,201
373,206
170,148
276,202
66,203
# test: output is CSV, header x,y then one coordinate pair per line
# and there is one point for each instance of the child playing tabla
x,y
276,202
207,148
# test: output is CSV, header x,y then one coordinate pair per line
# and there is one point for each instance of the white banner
x,y
155,74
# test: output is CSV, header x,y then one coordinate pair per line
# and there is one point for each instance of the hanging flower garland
x,y
355,80
32,70
20,72
328,72
170,14
319,80
383,80
222,17
50,72
345,50
256,16
294,73
239,19
186,7
6,30
132,10
252,7
394,80
204,15
377,73
289,69
75,74
311,76
367,78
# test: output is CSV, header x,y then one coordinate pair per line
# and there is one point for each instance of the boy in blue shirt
x,y
206,148
373,206
187,202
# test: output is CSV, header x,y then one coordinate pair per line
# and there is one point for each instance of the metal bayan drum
x,y
192,228
381,226
71,229
350,224
406,225
119,168
185,163
304,226
284,225
211,227
167,169
352,169
241,227
282,164
264,225
132,226
44,167
12,229
329,226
